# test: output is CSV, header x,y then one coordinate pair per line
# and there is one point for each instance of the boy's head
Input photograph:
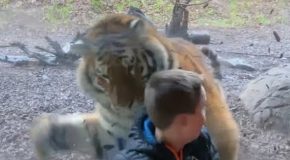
x,y
174,99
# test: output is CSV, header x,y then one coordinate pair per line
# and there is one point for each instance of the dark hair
x,y
169,93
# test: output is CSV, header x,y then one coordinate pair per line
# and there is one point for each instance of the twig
x,y
206,5
248,54
277,37
194,4
272,10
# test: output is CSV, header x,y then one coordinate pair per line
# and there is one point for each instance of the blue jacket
x,y
142,145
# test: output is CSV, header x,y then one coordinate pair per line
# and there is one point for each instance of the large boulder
x,y
267,98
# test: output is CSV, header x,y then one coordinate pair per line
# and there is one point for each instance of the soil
x,y
26,92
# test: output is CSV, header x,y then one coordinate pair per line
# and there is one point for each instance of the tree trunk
x,y
178,25
179,22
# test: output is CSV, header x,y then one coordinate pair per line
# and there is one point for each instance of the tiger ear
x,y
137,25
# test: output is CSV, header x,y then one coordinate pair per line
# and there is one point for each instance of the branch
x,y
55,45
45,56
44,50
22,47
4,58
42,58
5,46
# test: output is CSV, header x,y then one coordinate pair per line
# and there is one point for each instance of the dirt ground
x,y
28,91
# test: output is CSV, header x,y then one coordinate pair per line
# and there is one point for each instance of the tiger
x,y
119,53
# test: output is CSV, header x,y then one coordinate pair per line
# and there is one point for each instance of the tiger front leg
x,y
79,132
222,125
225,133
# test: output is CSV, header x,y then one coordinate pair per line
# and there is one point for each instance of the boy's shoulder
x,y
203,145
137,148
131,155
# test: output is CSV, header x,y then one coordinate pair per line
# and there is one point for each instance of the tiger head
x,y
119,54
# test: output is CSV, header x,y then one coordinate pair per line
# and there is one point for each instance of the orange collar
x,y
177,155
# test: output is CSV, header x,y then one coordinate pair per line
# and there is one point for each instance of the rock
x,y
267,99
45,77
200,37
236,63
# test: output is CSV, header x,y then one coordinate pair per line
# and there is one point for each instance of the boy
x,y
172,130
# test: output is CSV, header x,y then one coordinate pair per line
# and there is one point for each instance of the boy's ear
x,y
181,119
203,92
200,76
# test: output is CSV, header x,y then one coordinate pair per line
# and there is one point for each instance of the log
x,y
201,37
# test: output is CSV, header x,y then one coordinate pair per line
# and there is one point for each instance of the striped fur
x,y
119,54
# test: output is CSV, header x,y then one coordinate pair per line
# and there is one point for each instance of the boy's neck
x,y
170,139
